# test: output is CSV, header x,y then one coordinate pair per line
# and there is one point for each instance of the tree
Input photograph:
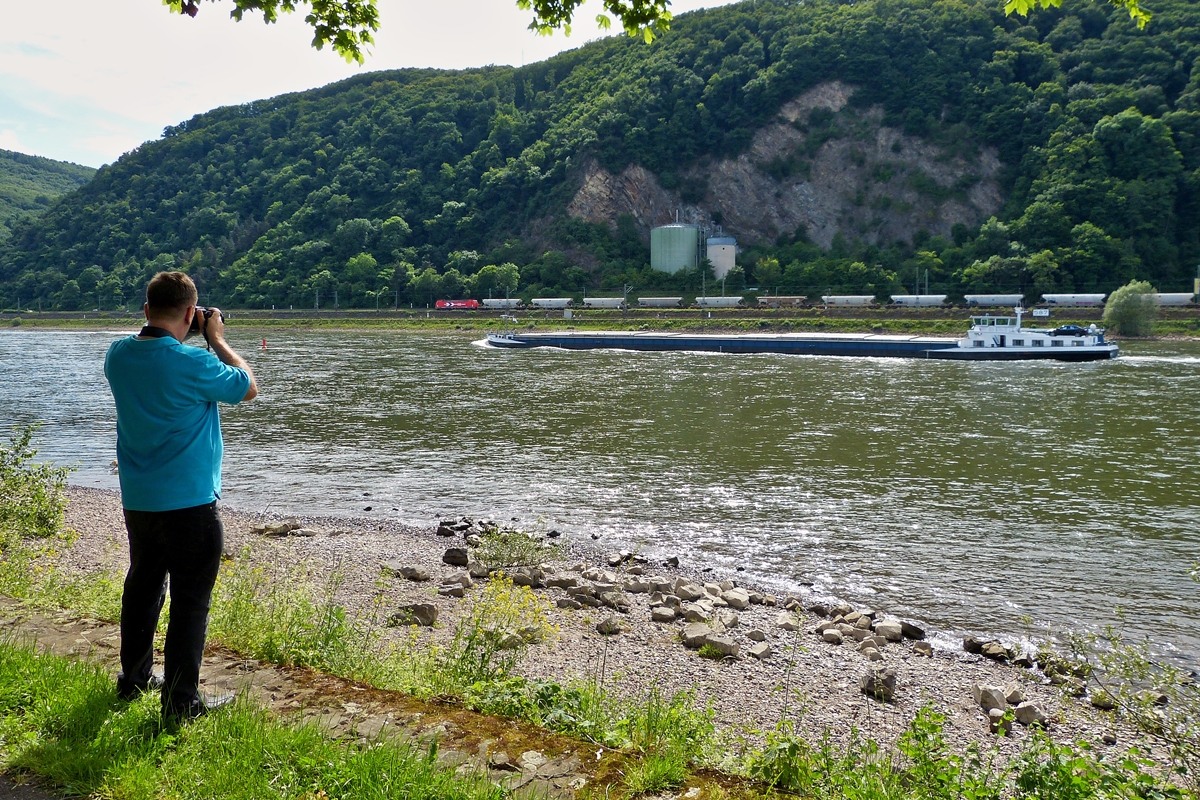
x,y
348,26
1131,310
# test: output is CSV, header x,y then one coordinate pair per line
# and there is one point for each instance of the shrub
x,y
506,548
1131,310
32,496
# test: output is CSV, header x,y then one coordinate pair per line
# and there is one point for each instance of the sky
x,y
86,81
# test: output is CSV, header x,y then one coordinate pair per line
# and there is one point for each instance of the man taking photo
x,y
169,452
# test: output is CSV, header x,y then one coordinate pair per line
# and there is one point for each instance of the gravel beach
x,y
806,680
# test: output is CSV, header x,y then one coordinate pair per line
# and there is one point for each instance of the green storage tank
x,y
675,247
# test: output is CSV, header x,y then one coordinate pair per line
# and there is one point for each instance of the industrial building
x,y
681,246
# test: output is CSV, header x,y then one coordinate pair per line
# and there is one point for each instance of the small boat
x,y
989,339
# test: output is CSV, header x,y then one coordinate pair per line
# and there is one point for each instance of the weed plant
x,y
924,768
490,638
60,719
502,548
32,496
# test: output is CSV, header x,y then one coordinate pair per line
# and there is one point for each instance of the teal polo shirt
x,y
168,431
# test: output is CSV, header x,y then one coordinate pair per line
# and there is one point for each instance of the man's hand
x,y
212,328
212,324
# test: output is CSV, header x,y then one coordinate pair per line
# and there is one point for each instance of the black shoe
x,y
198,707
130,691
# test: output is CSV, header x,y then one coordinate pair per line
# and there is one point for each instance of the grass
x,y
60,719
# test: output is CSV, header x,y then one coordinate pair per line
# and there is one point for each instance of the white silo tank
x,y
722,252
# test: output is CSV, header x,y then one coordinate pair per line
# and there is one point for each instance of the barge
x,y
989,339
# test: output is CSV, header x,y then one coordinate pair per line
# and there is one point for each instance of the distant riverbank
x,y
1172,323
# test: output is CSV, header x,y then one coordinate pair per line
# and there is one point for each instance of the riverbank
x,y
1172,322
805,680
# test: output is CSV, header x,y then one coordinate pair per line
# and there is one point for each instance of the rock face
x,y
877,185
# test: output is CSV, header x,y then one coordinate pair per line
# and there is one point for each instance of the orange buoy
x,y
264,347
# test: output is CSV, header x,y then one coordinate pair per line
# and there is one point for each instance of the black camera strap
x,y
155,332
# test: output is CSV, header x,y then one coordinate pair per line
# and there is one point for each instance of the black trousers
x,y
183,545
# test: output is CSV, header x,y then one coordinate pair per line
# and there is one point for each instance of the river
x,y
1014,498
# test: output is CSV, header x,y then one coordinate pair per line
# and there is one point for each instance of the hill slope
x,y
28,184
851,146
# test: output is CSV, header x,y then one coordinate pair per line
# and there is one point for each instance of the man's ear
x,y
146,310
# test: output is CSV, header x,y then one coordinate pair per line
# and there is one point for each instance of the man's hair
x,y
170,292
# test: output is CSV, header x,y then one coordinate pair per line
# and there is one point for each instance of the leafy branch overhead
x,y
1024,7
346,25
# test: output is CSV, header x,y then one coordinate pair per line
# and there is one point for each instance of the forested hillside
x,y
408,185
29,183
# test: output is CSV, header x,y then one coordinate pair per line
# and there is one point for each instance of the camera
x,y
207,312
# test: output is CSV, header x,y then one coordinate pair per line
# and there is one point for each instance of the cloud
x,y
10,141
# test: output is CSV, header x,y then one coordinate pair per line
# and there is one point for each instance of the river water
x,y
1013,498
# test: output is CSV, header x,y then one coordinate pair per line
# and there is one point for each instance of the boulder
x,y
923,648
863,622
999,723
995,651
879,682
787,621
694,612
423,614
616,601
852,618
973,644
793,604
989,697
726,585
770,600
688,591
832,636
405,571
446,528
662,614
892,631
1108,737
840,610
1153,697
871,654
1103,701
456,556
568,603
1027,713
609,626
728,619
736,598
509,641
635,570
636,586
673,561
760,651
562,581
911,631
660,584
713,588
1014,695
819,610
695,634
725,645
824,626
452,590
533,577
860,634
463,579
756,635
756,598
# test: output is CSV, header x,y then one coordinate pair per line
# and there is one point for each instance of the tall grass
x,y
60,719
